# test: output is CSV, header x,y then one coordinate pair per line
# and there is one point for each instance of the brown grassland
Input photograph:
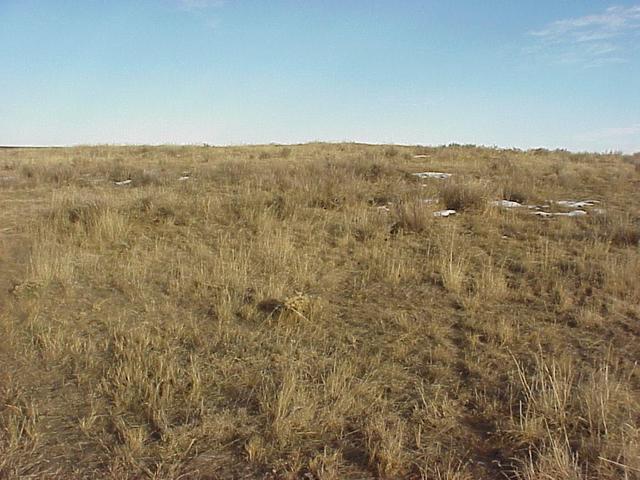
x,y
265,319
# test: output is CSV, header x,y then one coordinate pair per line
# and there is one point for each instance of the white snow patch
x,y
444,213
440,175
512,204
123,182
577,203
184,177
537,207
421,156
506,204
572,213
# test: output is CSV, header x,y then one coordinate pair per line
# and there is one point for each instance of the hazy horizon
x,y
281,144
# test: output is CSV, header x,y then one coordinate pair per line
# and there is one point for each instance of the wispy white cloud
x,y
205,11
590,40
199,4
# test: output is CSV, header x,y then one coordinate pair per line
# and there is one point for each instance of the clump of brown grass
x,y
326,465
385,446
19,433
411,217
626,235
516,192
57,173
391,152
557,404
464,195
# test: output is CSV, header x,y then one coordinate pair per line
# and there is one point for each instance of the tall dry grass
x,y
264,318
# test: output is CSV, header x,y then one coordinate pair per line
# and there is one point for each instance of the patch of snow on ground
x,y
577,204
572,213
444,213
506,204
440,175
537,207
123,182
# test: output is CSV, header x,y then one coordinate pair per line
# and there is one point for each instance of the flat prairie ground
x,y
299,312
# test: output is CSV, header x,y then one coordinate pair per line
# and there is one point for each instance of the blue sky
x,y
551,73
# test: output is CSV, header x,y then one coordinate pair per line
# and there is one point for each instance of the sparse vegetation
x,y
298,312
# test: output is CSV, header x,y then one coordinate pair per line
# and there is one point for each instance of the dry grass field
x,y
299,312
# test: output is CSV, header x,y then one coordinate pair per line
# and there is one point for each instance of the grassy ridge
x,y
264,318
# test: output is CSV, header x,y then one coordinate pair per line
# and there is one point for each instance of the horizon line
x,y
293,144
